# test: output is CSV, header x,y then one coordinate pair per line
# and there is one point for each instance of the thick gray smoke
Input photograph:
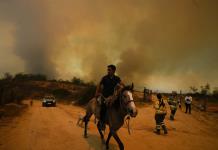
x,y
32,40
178,40
161,44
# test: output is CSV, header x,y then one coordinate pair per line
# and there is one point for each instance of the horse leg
x,y
108,139
116,137
86,120
100,132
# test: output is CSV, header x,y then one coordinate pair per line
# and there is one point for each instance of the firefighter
x,y
173,106
160,114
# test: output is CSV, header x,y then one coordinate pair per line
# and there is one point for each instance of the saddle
x,y
107,101
100,101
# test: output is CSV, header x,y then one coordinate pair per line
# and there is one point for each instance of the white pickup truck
x,y
48,101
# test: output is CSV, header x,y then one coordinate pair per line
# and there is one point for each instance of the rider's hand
x,y
97,95
109,101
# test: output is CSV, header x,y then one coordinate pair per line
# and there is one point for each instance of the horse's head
x,y
127,100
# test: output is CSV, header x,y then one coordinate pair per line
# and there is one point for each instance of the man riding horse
x,y
116,101
105,92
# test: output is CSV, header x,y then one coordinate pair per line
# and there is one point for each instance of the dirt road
x,y
54,128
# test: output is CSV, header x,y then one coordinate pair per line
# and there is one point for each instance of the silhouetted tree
x,y
205,90
77,81
34,77
193,89
8,76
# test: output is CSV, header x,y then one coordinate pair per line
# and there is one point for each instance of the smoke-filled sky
x,y
161,44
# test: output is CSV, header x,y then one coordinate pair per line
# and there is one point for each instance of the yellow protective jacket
x,y
160,108
173,103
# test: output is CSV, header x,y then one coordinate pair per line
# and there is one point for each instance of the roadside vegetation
x,y
14,89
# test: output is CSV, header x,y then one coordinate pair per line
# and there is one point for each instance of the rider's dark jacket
x,y
109,84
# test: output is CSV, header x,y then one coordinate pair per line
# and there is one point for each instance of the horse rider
x,y
160,114
173,105
105,92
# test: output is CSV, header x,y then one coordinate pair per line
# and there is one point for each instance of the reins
x,y
127,122
122,106
128,117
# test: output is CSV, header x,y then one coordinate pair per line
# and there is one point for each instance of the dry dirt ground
x,y
54,128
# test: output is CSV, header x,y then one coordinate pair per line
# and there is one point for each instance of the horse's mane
x,y
116,103
127,88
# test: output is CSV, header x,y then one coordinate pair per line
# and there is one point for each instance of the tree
x,y
215,91
193,89
205,90
77,81
31,77
7,76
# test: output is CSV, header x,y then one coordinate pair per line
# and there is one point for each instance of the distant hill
x,y
15,90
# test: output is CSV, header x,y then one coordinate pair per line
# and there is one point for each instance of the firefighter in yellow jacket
x,y
160,114
173,106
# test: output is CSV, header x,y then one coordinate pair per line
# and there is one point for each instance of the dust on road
x,y
54,128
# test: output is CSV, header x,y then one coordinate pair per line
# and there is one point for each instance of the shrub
x,y
87,94
77,81
34,77
61,93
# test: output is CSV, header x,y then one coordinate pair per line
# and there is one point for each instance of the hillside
x,y
16,91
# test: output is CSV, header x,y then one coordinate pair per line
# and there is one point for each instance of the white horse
x,y
124,105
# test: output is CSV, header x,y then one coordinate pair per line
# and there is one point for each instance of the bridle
x,y
123,104
129,101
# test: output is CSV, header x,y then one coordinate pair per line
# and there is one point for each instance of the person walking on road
x,y
160,114
173,106
188,102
